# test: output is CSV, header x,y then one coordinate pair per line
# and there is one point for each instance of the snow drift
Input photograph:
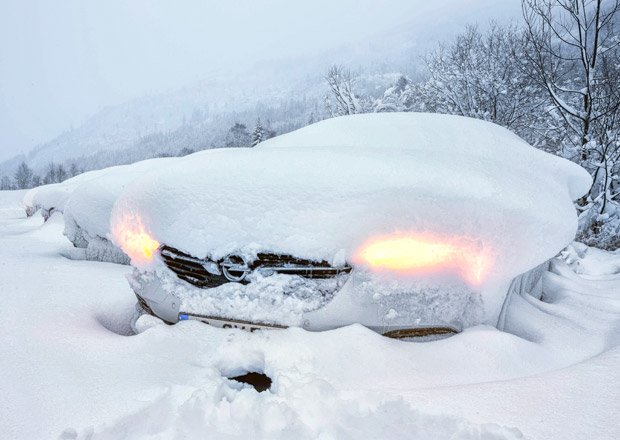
x,y
471,195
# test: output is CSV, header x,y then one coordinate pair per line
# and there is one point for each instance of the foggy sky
x,y
61,61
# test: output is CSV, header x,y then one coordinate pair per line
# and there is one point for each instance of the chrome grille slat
x,y
168,252
192,270
189,269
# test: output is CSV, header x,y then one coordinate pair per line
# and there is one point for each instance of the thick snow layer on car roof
x,y
427,132
353,184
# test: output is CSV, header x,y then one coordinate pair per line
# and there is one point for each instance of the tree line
x,y
24,177
238,136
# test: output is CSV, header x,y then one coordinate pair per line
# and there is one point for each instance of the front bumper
x,y
392,315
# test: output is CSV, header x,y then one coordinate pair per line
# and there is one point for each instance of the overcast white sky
x,y
61,61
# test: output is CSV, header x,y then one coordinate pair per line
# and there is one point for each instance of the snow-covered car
x,y
88,208
407,223
54,196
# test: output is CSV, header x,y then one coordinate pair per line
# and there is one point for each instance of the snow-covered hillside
x,y
124,126
195,117
72,369
289,91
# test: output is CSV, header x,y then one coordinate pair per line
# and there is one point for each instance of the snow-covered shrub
x,y
598,229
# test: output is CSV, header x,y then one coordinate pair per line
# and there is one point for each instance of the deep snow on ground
x,y
11,203
70,369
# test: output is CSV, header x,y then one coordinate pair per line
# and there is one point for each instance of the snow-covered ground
x,y
70,368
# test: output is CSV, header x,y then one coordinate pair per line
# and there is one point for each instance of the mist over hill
x,y
285,93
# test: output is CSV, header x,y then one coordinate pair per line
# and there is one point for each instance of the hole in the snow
x,y
261,382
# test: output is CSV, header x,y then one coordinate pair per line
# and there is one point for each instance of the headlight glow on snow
x,y
133,239
421,254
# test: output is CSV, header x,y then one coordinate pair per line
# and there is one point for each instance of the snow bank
x,y
87,211
499,206
313,411
591,261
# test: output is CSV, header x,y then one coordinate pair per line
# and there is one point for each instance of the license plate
x,y
229,323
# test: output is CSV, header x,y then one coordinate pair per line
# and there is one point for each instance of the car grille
x,y
194,270
190,269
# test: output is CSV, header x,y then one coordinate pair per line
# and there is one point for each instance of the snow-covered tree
x,y
482,75
342,99
575,56
238,136
397,98
55,173
5,183
258,134
23,176
73,170
50,174
61,173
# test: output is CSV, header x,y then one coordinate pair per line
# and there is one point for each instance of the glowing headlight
x,y
131,236
422,254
